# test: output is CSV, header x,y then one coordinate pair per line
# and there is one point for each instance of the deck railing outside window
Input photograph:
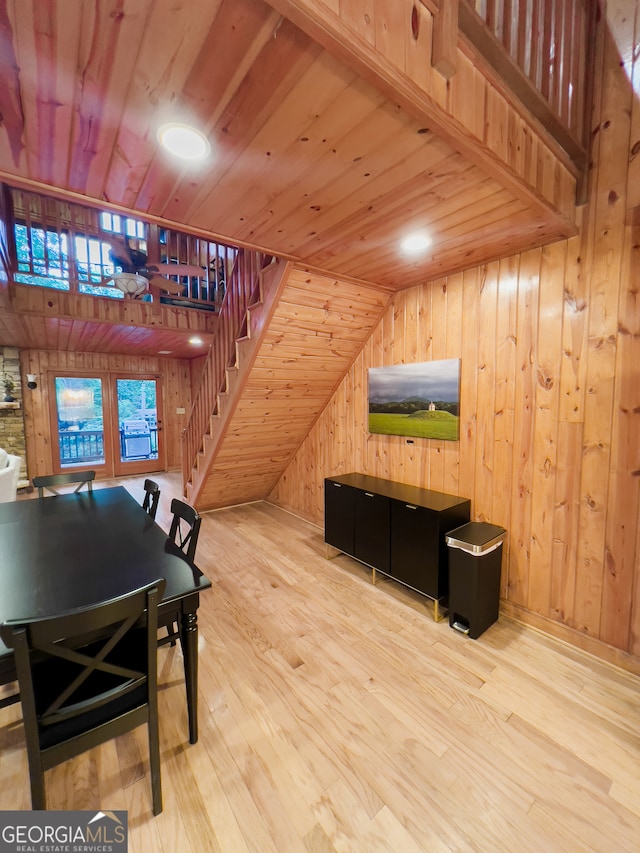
x,y
78,447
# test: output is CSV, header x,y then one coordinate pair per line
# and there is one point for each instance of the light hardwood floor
x,y
337,716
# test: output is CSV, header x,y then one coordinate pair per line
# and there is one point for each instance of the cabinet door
x,y
415,549
372,529
339,520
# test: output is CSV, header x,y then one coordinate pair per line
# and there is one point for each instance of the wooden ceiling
x,y
309,160
37,330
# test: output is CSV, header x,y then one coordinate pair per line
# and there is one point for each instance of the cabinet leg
x,y
439,613
330,551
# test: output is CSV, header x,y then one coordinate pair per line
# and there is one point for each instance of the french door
x,y
110,422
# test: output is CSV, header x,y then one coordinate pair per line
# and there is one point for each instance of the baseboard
x,y
590,645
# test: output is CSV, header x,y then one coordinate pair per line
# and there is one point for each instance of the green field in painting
x,y
421,424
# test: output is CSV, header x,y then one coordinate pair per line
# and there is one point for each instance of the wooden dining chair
x,y
184,531
51,482
151,497
185,527
78,692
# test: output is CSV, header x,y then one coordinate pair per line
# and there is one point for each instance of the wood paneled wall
x,y
550,395
175,376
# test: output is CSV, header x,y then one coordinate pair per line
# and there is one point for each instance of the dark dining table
x,y
67,551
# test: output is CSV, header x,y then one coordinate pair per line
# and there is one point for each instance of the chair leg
x,y
38,796
154,766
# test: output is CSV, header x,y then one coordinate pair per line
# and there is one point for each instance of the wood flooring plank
x,y
335,716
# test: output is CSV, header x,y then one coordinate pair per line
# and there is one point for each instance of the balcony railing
x,y
81,447
541,51
67,246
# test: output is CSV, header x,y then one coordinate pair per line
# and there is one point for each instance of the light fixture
x,y
195,341
415,243
76,397
183,141
31,381
130,283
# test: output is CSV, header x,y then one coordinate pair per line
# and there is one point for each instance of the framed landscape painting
x,y
416,400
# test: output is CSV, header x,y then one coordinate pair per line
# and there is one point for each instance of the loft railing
x,y
67,246
243,290
538,50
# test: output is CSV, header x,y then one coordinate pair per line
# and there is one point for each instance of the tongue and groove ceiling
x,y
309,160
312,160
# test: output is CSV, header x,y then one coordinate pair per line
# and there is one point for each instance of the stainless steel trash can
x,y
475,561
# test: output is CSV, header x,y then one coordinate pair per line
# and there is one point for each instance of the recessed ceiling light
x,y
195,341
415,243
183,141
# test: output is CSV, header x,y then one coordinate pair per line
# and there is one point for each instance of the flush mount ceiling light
x,y
183,141
415,244
195,341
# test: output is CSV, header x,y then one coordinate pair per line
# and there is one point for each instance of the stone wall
x,y
12,435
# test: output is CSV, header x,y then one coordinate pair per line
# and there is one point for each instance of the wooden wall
x,y
175,377
550,398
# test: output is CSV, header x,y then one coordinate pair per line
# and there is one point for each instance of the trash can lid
x,y
476,537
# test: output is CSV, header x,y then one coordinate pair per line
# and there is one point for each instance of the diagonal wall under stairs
x,y
315,329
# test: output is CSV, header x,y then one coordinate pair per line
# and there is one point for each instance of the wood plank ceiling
x,y
308,160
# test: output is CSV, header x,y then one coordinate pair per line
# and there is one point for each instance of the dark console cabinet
x,y
415,549
372,529
396,529
356,521
339,516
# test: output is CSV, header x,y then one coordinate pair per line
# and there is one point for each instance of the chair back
x,y
50,482
185,527
151,497
85,677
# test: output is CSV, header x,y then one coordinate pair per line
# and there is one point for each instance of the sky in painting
x,y
428,380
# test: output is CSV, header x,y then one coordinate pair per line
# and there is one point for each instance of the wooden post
x,y
445,38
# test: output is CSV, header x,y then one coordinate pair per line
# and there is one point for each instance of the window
x,y
43,257
69,247
117,224
59,245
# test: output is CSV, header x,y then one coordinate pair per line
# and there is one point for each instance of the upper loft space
x,y
74,248
335,128
82,278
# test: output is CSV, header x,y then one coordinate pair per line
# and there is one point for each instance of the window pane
x,y
137,418
80,422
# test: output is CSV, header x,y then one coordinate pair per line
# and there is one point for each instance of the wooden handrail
x,y
243,290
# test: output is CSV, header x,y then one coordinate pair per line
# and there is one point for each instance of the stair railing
x,y
243,290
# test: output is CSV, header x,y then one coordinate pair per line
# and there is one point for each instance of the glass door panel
x,y
110,422
80,421
137,419
138,404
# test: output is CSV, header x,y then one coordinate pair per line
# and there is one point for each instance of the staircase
x,y
300,335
